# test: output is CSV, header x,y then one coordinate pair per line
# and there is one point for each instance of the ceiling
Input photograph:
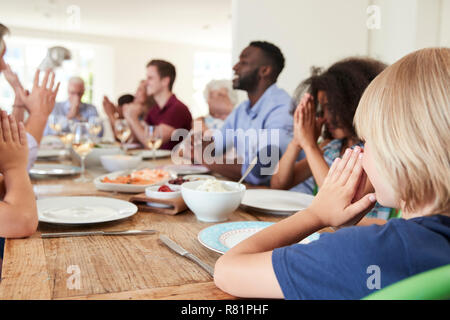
x,y
199,22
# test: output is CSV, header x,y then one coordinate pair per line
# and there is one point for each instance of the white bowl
x,y
212,206
152,192
193,177
119,162
93,158
196,177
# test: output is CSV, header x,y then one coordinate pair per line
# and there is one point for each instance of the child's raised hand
x,y
41,100
13,144
339,201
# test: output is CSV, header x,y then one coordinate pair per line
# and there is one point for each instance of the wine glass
x,y
123,131
55,122
95,127
153,139
66,134
82,144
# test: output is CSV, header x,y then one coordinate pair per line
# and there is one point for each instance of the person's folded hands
x,y
340,201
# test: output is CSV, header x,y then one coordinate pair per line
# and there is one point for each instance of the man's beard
x,y
248,82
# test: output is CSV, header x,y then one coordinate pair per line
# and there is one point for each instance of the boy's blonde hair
x,y
404,113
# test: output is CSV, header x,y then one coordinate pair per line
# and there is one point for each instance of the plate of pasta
x,y
133,181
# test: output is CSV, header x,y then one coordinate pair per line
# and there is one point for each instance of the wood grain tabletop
x,y
111,267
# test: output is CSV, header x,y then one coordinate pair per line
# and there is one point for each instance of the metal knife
x,y
96,233
183,252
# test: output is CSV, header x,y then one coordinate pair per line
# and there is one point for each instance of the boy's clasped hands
x,y
341,200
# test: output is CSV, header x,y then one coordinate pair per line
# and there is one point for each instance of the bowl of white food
x,y
120,162
212,200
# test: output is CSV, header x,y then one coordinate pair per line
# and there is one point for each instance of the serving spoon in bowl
x,y
250,167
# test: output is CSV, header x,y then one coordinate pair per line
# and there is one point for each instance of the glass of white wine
x,y
153,139
55,122
95,127
82,144
123,131
67,134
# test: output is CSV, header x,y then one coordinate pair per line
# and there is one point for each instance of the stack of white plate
x,y
185,169
279,202
148,154
83,210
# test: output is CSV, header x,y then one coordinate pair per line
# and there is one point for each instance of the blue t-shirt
x,y
344,264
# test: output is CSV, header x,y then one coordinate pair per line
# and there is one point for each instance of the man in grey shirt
x,y
73,108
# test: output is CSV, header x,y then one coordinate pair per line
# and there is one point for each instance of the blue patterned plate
x,y
222,237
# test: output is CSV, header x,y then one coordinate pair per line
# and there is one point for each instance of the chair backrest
x,y
429,285
395,213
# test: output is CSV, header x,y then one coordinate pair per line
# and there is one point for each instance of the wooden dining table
x,y
112,267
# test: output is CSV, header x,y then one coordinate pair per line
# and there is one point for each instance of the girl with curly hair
x,y
333,95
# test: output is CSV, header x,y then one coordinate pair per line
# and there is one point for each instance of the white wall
x,y
409,25
308,32
319,32
445,24
122,65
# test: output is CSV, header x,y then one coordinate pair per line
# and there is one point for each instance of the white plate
x,y
51,142
184,169
276,201
127,188
50,153
83,210
222,237
148,154
54,169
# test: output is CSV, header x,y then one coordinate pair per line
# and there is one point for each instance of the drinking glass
x,y
95,127
66,135
123,132
153,139
56,122
82,144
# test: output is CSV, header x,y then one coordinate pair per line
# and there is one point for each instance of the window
x,y
208,66
24,56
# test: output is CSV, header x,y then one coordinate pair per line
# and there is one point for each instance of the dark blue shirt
x,y
345,264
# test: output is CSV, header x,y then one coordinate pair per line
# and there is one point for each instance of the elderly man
x,y
73,108
221,99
